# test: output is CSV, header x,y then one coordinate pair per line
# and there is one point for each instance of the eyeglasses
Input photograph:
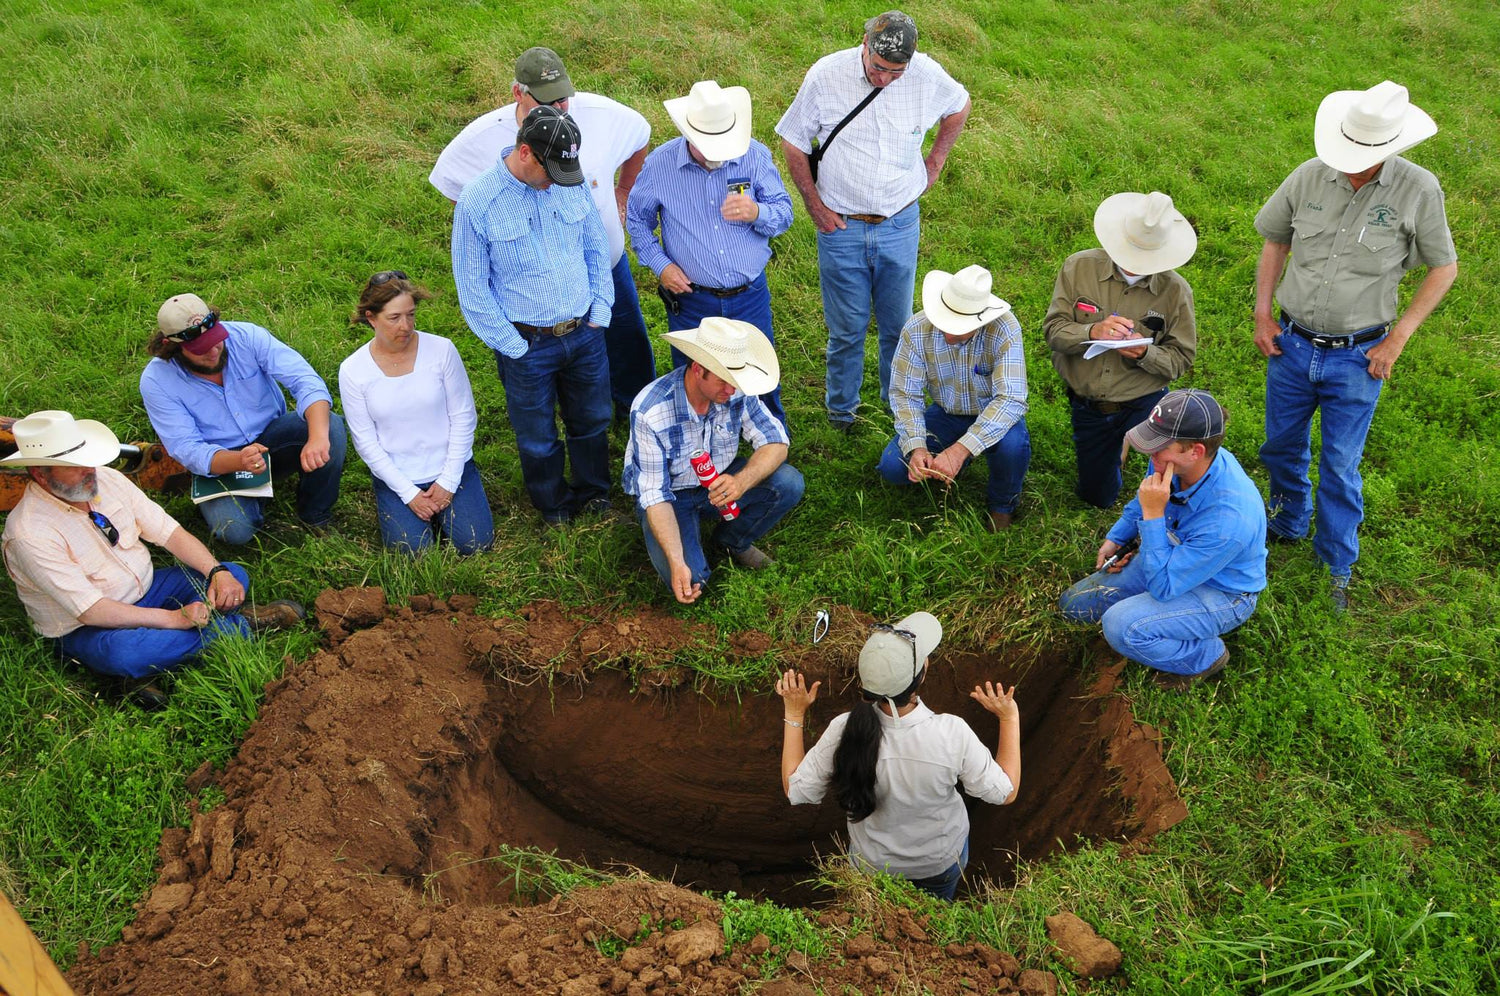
x,y
386,276
194,331
106,527
906,635
876,67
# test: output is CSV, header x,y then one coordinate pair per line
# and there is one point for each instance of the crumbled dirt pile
x,y
350,853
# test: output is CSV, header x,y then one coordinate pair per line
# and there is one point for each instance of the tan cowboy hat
x,y
736,351
56,439
959,303
1144,233
714,119
1356,129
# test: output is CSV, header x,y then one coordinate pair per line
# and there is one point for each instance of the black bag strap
x,y
817,154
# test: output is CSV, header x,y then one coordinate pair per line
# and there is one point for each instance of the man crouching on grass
x,y
1201,563
75,545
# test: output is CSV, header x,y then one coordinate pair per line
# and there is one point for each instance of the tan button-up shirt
x,y
1351,248
1090,289
62,563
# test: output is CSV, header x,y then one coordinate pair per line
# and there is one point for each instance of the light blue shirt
x,y
195,418
523,255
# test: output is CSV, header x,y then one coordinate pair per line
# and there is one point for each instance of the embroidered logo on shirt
x,y
1381,216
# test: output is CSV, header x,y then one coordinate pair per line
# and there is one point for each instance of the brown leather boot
x,y
280,614
999,522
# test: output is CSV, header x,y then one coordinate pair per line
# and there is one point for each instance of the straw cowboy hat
x,y
1357,129
714,119
1144,233
736,351
56,439
959,303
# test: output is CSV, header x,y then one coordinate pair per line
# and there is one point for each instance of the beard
x,y
85,490
197,366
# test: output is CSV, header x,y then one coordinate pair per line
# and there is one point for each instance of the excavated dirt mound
x,y
349,854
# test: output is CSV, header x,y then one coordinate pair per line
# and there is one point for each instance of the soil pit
x,y
387,767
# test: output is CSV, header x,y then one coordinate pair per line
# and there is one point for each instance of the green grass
x,y
1341,780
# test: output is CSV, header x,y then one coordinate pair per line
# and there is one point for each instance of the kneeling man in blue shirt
x,y
1201,562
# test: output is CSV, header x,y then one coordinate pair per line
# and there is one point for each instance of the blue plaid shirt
x,y
665,432
984,376
524,255
674,190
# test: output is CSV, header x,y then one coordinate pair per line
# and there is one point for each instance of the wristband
x,y
209,577
788,722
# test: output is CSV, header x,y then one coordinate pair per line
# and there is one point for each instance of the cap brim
x,y
562,174
1109,229
731,144
207,340
546,93
943,318
1145,437
1338,152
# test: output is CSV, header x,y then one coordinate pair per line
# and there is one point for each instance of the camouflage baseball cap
x,y
541,71
892,36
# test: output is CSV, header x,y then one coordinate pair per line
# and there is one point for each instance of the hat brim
x,y
1146,438
1346,156
760,374
1109,229
561,174
207,340
99,446
945,319
552,90
730,144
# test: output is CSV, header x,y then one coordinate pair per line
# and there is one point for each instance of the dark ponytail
x,y
858,750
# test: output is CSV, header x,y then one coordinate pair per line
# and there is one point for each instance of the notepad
x,y
240,483
1099,346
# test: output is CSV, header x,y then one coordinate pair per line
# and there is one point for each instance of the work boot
x,y
280,614
999,522
146,694
752,558
1339,592
842,426
1182,682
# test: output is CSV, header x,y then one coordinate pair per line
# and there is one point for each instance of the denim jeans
x,y
1181,636
1008,458
760,509
944,885
234,520
1302,380
140,652
631,363
1097,442
752,305
566,374
467,522
857,265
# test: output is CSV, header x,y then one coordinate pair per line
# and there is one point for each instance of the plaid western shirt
x,y
984,376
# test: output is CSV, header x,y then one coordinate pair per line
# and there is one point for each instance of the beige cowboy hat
x,y
715,119
959,303
1357,129
56,439
736,351
1144,233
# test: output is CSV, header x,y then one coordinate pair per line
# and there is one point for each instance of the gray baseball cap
x,y
542,72
892,36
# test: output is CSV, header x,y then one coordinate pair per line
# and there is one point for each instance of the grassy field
x,y
1345,827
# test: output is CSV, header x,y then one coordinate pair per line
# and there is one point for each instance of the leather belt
x,y
721,291
868,219
1102,407
538,331
1323,340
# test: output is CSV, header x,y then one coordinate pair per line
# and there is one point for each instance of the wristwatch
x,y
209,578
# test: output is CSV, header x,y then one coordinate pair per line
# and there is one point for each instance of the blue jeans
x,y
631,363
141,651
760,509
944,885
1181,636
1008,458
569,375
857,265
1299,382
752,305
467,521
1097,442
234,520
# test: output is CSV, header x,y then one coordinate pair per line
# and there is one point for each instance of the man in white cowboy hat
x,y
710,406
76,547
1127,291
531,267
964,350
717,198
1352,220
861,187
617,138
214,394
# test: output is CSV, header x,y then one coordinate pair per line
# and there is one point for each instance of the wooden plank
x,y
25,969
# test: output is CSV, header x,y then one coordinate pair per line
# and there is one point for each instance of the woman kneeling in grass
x,y
410,409
895,765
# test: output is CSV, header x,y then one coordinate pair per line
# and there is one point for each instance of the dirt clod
x,y
1081,948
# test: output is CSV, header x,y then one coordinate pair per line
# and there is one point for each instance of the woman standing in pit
x,y
895,765
410,409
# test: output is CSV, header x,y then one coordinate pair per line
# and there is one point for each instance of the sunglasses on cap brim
x,y
194,331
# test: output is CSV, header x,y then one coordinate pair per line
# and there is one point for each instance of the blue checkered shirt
x,y
665,432
524,255
984,376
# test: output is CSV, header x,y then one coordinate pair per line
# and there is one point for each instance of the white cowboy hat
x,y
55,439
958,303
1144,233
736,351
1357,129
715,119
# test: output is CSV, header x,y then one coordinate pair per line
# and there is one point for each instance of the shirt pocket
x,y
1376,252
513,244
1313,236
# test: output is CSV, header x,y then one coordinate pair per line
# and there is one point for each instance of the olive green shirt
x,y
1351,248
1090,289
